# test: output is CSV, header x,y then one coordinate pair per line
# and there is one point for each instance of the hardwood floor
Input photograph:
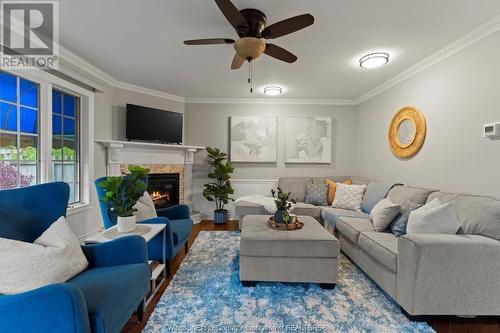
x,y
440,324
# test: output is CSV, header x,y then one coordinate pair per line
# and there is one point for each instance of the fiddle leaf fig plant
x,y
122,193
220,189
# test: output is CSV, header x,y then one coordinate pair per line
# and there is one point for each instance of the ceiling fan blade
x,y
233,15
288,26
280,53
237,62
209,41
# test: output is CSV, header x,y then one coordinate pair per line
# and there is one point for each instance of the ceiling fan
x,y
250,25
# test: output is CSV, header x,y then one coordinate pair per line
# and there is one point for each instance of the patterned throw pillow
x,y
316,194
332,188
349,196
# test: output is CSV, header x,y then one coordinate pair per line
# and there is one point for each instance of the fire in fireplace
x,y
164,189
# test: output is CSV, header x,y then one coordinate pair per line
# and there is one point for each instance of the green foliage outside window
x,y
65,153
10,153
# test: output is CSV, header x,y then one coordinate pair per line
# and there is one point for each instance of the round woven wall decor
x,y
407,132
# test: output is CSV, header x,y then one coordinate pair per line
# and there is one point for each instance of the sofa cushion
x,y
401,193
442,196
322,180
381,246
356,180
316,194
243,208
104,290
351,227
477,215
301,208
296,186
375,191
330,215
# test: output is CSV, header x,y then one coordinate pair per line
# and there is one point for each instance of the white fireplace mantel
x,y
131,152
142,153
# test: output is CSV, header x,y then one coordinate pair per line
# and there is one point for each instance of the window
x,y
46,134
19,136
65,141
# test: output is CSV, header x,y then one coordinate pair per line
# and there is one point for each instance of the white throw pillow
x,y
54,257
348,196
383,213
145,208
433,218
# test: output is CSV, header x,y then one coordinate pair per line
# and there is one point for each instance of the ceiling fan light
x,y
374,60
250,47
273,90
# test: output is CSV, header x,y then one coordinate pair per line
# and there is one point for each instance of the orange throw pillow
x,y
332,188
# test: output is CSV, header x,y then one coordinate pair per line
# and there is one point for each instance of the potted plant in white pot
x,y
121,195
220,189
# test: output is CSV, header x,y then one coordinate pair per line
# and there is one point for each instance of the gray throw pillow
x,y
433,218
398,225
316,194
383,213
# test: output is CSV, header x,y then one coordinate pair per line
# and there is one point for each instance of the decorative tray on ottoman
x,y
285,226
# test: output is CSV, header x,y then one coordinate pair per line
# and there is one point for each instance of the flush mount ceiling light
x,y
374,60
273,90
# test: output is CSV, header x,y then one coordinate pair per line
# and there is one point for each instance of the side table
x,y
148,232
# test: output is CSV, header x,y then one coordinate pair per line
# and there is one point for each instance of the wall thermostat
x,y
492,130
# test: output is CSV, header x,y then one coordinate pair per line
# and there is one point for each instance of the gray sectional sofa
x,y
296,186
431,274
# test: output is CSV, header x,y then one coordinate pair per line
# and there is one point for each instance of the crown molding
x,y
147,91
86,66
270,101
467,40
99,74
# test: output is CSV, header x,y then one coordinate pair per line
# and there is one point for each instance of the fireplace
x,y
164,189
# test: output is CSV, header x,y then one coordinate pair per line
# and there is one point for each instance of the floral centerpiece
x,y
284,205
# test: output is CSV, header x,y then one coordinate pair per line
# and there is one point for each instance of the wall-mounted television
x,y
148,124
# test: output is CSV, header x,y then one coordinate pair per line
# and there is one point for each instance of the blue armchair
x,y
179,227
100,299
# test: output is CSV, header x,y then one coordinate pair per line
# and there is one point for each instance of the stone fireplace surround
x,y
163,168
159,158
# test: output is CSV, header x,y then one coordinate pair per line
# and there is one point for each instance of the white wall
x,y
208,125
457,96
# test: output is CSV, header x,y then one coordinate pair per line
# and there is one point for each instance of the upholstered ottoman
x,y
306,255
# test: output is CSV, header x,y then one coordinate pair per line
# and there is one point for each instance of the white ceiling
x,y
140,42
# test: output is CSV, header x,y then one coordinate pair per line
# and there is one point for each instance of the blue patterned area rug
x,y
206,296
